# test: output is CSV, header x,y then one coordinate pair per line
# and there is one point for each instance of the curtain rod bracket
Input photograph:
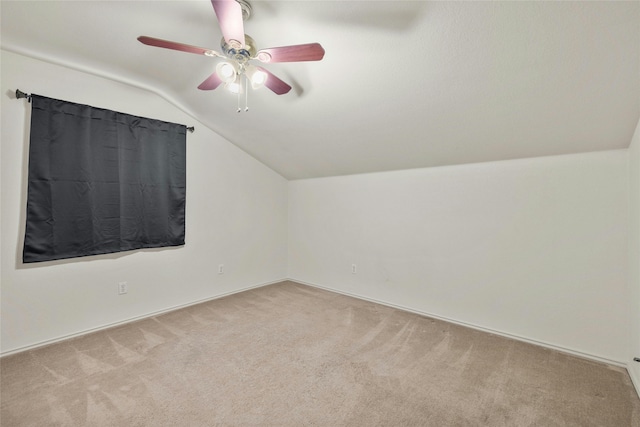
x,y
20,94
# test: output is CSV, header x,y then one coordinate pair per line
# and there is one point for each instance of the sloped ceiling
x,y
402,85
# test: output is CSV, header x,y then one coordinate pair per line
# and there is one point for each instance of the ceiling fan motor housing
x,y
242,55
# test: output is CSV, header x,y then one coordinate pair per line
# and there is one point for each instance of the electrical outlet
x,y
123,288
221,269
353,269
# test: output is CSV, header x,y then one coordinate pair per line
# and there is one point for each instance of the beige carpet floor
x,y
291,355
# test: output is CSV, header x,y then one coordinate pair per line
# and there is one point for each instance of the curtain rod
x,y
20,95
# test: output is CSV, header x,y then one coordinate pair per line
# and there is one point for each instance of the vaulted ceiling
x,y
403,84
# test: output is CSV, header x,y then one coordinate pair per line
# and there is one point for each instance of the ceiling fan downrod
x,y
247,10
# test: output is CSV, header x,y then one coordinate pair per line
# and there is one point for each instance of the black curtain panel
x,y
101,181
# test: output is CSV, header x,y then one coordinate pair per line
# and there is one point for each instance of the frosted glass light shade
x,y
256,76
226,71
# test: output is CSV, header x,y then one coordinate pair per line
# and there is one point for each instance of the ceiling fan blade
x,y
296,53
276,85
229,13
212,82
151,41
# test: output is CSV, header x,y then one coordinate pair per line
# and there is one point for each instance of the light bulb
x,y
226,71
233,87
258,78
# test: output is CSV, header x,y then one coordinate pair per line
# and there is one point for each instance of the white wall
x,y
236,215
634,255
535,248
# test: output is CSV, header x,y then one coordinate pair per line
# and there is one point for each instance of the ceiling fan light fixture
x,y
256,77
234,86
259,78
227,72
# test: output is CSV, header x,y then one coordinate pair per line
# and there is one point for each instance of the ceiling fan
x,y
238,50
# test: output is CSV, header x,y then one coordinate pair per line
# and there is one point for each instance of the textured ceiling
x,y
402,85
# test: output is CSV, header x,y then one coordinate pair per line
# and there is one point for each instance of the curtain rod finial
x,y
20,94
191,129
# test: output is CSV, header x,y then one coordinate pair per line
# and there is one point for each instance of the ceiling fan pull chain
x,y
239,109
246,94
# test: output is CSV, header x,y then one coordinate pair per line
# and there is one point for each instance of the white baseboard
x,y
132,319
562,349
632,372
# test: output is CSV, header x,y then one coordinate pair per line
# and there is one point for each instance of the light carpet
x,y
292,355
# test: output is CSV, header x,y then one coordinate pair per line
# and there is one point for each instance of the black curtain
x,y
101,181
